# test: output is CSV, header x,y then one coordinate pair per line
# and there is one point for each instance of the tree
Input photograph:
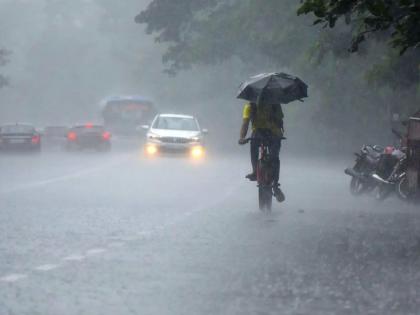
x,y
211,31
398,20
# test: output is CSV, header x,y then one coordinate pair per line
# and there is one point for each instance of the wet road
x,y
118,234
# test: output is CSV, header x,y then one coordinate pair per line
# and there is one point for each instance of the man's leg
x,y
275,151
254,160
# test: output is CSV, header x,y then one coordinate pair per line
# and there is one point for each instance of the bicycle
x,y
265,172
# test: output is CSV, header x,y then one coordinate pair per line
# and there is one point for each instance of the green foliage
x,y
171,18
213,31
400,19
399,72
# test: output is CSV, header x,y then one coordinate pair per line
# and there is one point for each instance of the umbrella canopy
x,y
273,88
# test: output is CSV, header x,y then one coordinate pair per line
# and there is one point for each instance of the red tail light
x,y
72,136
106,135
36,139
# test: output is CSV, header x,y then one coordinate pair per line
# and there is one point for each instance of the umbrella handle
x,y
259,98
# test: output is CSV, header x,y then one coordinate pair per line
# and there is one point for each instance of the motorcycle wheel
x,y
357,187
402,188
382,192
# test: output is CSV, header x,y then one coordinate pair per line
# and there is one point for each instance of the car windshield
x,y
175,123
17,129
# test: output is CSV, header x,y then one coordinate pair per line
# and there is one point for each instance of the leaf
x,y
356,43
377,8
318,21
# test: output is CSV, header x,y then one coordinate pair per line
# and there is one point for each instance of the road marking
x,y
46,267
74,258
95,251
13,277
118,242
62,178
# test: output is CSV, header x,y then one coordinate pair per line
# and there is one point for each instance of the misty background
x,y
64,57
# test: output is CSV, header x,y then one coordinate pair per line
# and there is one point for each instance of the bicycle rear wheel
x,y
265,192
265,197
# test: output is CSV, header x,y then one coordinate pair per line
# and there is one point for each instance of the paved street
x,y
115,233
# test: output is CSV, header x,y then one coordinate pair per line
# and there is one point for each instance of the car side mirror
x,y
205,131
142,128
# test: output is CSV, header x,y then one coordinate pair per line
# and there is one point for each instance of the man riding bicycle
x,y
267,122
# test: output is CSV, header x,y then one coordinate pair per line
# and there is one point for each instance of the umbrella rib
x,y
263,90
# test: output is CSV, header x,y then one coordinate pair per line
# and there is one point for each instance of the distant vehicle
x,y
54,136
88,136
19,137
123,114
170,133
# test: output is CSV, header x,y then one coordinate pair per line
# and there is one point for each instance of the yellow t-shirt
x,y
264,118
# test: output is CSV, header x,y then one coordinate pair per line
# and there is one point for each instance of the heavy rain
x,y
191,157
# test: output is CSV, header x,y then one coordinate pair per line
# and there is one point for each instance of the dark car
x,y
19,137
88,136
54,137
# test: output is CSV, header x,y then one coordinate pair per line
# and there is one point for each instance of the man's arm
x,y
281,121
244,130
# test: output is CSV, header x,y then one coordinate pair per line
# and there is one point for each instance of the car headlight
x,y
197,152
151,149
195,139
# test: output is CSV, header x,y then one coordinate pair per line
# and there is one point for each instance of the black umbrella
x,y
273,88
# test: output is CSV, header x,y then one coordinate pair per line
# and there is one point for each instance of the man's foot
x,y
278,194
252,177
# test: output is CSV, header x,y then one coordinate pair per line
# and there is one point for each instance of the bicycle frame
x,y
265,172
264,166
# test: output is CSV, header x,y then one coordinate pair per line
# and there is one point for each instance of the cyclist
x,y
267,121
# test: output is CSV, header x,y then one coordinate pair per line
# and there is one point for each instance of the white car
x,y
170,133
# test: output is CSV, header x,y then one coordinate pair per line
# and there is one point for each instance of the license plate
x,y
16,141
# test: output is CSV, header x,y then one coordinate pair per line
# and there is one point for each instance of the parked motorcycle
x,y
390,174
366,164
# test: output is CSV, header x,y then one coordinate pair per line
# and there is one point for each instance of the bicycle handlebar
x,y
261,138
